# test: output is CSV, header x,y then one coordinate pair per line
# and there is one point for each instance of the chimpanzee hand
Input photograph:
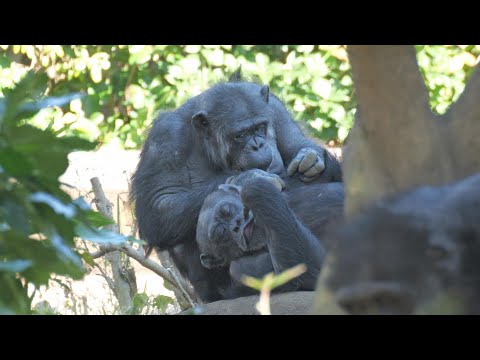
x,y
260,192
309,163
247,176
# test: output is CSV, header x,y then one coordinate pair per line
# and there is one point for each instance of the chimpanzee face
x,y
388,263
226,229
236,128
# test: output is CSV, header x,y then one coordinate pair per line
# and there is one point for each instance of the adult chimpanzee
x,y
410,251
231,127
257,229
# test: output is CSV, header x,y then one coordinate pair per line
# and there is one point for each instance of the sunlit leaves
x,y
100,236
271,281
128,84
142,303
446,70
38,220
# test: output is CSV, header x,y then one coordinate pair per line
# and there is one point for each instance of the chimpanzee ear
x,y
200,121
265,92
211,262
230,188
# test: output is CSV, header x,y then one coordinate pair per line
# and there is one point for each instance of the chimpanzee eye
x,y
260,129
240,137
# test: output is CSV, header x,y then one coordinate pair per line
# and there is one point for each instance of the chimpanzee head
x,y
225,228
234,122
389,263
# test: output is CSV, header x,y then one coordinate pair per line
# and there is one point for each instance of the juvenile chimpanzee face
x,y
388,263
225,228
235,126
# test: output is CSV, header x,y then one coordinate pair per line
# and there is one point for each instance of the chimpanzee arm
x,y
291,140
170,184
289,241
206,282
256,266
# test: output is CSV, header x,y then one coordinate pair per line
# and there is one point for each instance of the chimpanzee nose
x,y
225,212
236,225
375,298
257,145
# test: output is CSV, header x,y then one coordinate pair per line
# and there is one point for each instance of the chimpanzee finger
x,y
293,167
315,169
307,179
277,181
309,159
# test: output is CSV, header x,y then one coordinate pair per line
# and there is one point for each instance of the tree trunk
x,y
397,142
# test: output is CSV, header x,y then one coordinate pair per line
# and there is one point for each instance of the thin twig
x,y
107,278
146,262
185,294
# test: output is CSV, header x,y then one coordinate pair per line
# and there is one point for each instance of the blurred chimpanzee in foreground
x,y
410,252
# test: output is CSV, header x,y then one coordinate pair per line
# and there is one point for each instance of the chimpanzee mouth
x,y
247,232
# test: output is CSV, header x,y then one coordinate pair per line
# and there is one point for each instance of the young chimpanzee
x,y
257,229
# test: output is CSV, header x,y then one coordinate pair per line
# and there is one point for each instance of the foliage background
x,y
126,85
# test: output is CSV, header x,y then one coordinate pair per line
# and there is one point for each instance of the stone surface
x,y
293,303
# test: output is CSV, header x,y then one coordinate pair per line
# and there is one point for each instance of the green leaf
x,y
15,163
63,250
46,258
31,86
140,300
5,62
91,104
45,152
14,297
97,219
88,258
75,143
67,210
271,281
161,302
100,236
252,282
15,215
15,266
29,109
288,275
82,204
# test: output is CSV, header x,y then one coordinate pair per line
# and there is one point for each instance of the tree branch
x,y
146,262
122,286
387,80
466,108
396,142
463,119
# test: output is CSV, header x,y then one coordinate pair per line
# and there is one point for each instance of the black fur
x,y
286,232
192,150
409,250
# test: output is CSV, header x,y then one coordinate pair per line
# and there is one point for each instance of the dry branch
x,y
105,207
123,289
